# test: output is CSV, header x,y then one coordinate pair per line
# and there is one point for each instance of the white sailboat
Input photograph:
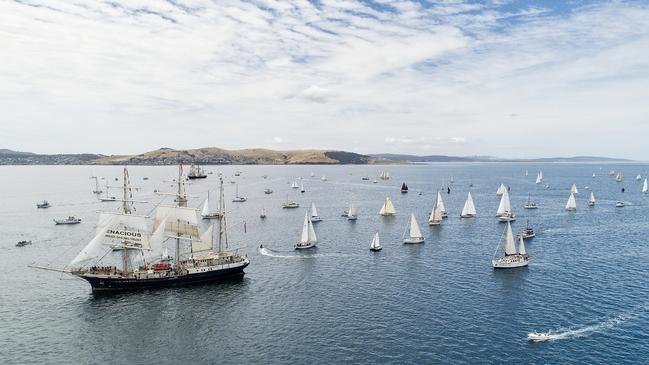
x,y
376,244
308,238
415,235
501,190
504,212
594,175
638,177
302,188
295,185
531,204
440,204
435,218
237,198
314,214
351,212
206,212
645,187
591,199
512,258
571,205
539,177
385,175
97,188
263,213
323,178
468,211
618,177
387,209
573,189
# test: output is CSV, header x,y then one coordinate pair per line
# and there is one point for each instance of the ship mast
x,y
222,211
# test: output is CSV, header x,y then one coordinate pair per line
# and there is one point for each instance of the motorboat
x,y
268,191
69,220
42,205
619,204
23,243
538,337
527,232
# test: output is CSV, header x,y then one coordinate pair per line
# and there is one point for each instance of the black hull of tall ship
x,y
107,285
197,177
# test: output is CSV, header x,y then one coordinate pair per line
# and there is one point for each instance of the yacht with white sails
x,y
308,238
468,211
414,233
388,208
376,244
512,258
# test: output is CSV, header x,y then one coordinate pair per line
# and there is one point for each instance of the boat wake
x,y
283,254
564,333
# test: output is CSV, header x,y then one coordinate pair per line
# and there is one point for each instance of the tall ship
x,y
196,172
126,255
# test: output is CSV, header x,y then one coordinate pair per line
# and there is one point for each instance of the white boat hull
x,y
538,337
434,223
315,219
509,262
414,240
467,216
304,246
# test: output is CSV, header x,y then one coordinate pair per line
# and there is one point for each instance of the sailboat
x,y
593,175
527,232
645,187
302,188
435,217
638,177
504,212
415,235
404,188
501,190
351,213
263,213
618,177
314,214
97,189
107,198
237,198
571,205
440,204
526,172
125,255
196,172
295,185
376,244
384,175
531,204
387,209
290,204
308,238
539,177
512,258
468,211
591,199
323,178
206,212
573,189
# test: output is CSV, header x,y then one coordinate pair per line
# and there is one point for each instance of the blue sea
x,y
437,302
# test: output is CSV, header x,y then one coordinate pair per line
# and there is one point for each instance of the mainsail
x,y
501,190
375,241
510,248
308,233
521,246
573,189
415,232
387,208
440,203
571,204
314,211
505,206
591,199
645,187
469,208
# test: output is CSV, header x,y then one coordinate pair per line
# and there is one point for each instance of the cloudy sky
x,y
503,78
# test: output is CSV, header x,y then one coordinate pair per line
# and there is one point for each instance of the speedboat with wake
x,y
538,337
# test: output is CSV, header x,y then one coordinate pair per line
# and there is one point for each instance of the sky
x,y
501,78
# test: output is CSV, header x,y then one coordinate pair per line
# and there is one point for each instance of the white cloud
x,y
231,74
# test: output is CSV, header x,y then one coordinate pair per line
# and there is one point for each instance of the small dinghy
x,y
619,204
538,337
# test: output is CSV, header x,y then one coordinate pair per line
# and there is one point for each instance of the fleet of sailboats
x,y
414,233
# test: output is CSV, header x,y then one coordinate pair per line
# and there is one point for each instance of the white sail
x,y
510,248
351,212
638,177
505,205
521,246
314,211
435,215
312,237
440,203
205,242
573,189
591,199
178,221
571,204
95,248
645,187
501,190
305,229
387,208
541,174
415,232
157,248
539,177
376,244
469,208
205,212
294,185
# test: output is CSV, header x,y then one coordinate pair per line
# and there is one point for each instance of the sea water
x,y
437,302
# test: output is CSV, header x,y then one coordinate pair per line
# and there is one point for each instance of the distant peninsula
x,y
258,156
